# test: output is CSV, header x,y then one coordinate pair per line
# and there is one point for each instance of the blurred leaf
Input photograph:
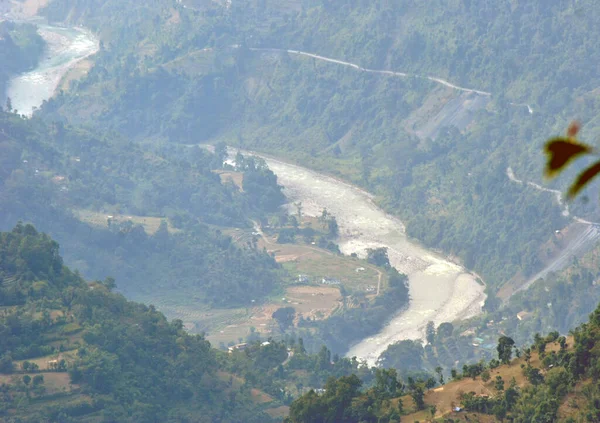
x,y
561,151
573,129
583,179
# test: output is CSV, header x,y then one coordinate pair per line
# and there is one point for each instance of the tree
x,y
240,162
563,343
6,364
499,383
485,376
323,218
440,373
432,410
386,383
504,348
445,330
418,397
221,152
26,379
298,206
397,279
109,283
285,317
8,104
430,332
323,359
378,256
333,227
499,411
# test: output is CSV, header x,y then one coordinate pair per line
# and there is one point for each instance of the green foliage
x,y
505,346
342,329
378,257
126,350
284,317
102,173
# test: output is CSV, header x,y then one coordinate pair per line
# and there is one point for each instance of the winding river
x,y
440,290
64,48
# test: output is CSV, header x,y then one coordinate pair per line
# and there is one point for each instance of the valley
x,y
326,211
440,289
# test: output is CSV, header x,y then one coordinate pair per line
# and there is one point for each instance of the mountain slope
x,y
435,155
125,361
53,175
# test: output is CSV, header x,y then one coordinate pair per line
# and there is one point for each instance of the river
x,y
440,290
64,48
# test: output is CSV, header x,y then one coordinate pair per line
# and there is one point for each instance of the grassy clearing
x,y
236,178
42,362
55,382
278,412
150,224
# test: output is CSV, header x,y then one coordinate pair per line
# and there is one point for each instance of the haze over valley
x,y
305,198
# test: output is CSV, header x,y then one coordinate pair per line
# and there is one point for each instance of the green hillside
x,y
556,379
75,351
435,156
52,173
125,362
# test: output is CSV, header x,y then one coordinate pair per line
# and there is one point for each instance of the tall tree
x,y
504,348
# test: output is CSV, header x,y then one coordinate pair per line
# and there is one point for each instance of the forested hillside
x,y
125,361
75,351
556,379
435,155
57,177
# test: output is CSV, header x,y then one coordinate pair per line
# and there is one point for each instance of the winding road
x,y
583,242
382,72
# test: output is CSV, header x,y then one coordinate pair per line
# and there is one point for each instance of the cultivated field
x,y
150,224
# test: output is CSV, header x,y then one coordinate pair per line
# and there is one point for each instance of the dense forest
x,y
52,173
124,360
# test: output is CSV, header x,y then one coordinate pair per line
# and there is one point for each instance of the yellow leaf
x,y
561,151
583,179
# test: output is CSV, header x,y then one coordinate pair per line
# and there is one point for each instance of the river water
x,y
440,290
65,47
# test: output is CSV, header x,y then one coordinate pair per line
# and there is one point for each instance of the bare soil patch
x,y
315,302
